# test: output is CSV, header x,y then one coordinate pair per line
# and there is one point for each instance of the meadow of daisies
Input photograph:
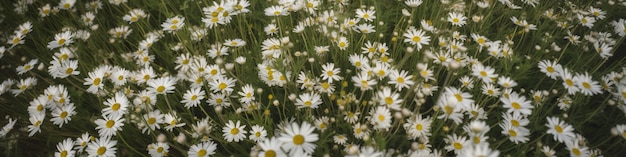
x,y
312,78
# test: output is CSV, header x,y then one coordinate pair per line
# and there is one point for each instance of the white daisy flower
x,y
234,132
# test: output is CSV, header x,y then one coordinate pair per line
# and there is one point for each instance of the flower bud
x,y
229,66
181,138
161,138
292,97
397,115
218,109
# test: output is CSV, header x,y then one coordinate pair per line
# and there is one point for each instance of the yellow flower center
x,y
448,109
455,20
419,127
381,72
270,153
477,139
586,85
512,133
61,42
325,85
160,89
194,97
234,131
116,106
364,83
388,100
457,145
569,82
515,123
576,151
481,40
202,152
61,100
384,59
16,40
110,123
64,153
424,73
308,103
101,150
475,113
298,139
400,80
97,81
173,122
69,70
381,117
516,105
371,49
222,86
483,73
151,120
417,39
558,129
63,115
458,97
342,44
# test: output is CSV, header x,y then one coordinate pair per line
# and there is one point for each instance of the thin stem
x,y
129,146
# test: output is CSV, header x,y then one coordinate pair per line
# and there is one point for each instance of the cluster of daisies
x,y
322,78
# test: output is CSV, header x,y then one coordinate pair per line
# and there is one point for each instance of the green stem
x,y
129,146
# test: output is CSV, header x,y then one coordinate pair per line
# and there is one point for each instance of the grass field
x,y
313,78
